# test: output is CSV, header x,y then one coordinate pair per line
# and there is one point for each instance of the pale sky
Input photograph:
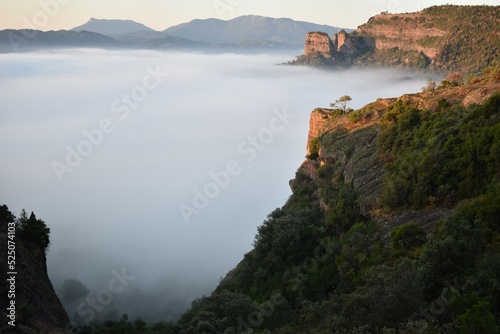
x,y
161,14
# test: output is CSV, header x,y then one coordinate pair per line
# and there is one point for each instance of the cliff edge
x,y
29,304
394,209
440,38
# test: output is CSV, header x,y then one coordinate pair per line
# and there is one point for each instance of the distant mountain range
x,y
245,33
248,28
29,40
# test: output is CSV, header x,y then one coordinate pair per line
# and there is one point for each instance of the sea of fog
x,y
158,167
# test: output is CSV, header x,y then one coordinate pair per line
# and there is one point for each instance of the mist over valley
x,y
160,165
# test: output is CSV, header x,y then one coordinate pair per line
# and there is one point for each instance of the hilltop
x,y
440,38
112,27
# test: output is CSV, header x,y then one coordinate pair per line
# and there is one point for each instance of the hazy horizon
x,y
159,15
112,149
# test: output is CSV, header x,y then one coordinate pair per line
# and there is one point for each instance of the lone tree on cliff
x,y
341,103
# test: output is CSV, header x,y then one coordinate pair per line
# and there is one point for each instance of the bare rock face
x,y
38,309
319,42
341,38
341,44
409,32
317,122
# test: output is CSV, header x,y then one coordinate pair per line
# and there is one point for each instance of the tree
x,y
341,103
6,217
73,289
34,230
430,87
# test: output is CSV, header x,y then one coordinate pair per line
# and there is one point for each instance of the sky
x,y
161,14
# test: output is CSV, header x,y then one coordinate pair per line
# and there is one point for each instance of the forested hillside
x,y
326,263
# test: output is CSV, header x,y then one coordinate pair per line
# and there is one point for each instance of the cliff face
x,y
365,202
317,122
445,38
37,307
406,32
318,42
349,142
340,44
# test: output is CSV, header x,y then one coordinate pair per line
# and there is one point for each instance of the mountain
x,y
247,28
27,40
440,38
392,225
242,34
157,41
112,27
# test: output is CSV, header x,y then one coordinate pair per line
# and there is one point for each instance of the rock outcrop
x,y
37,307
318,42
444,38
409,32
349,146
340,44
317,122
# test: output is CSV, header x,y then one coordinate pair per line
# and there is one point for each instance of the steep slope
x,y
34,306
444,38
112,27
394,211
247,28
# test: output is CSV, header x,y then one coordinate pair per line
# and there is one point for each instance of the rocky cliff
x,y
37,307
407,32
318,42
442,38
395,206
349,142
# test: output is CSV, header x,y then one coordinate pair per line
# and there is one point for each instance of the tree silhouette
x,y
341,103
74,290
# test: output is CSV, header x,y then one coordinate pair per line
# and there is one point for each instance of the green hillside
x,y
324,263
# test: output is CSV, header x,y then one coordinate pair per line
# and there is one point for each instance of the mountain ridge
x,y
243,34
112,26
28,40
246,27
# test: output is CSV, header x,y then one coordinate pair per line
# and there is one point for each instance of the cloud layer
x,y
221,134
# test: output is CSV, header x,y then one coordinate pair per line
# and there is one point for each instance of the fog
x,y
159,165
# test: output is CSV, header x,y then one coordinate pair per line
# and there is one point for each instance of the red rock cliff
x,y
318,42
404,31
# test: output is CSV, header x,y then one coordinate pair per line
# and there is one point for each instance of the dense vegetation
x,y
473,40
31,231
441,157
317,271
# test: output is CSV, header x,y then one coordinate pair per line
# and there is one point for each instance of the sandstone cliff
x,y
349,142
444,38
406,32
318,42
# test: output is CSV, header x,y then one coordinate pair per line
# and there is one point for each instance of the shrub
x,y
406,238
